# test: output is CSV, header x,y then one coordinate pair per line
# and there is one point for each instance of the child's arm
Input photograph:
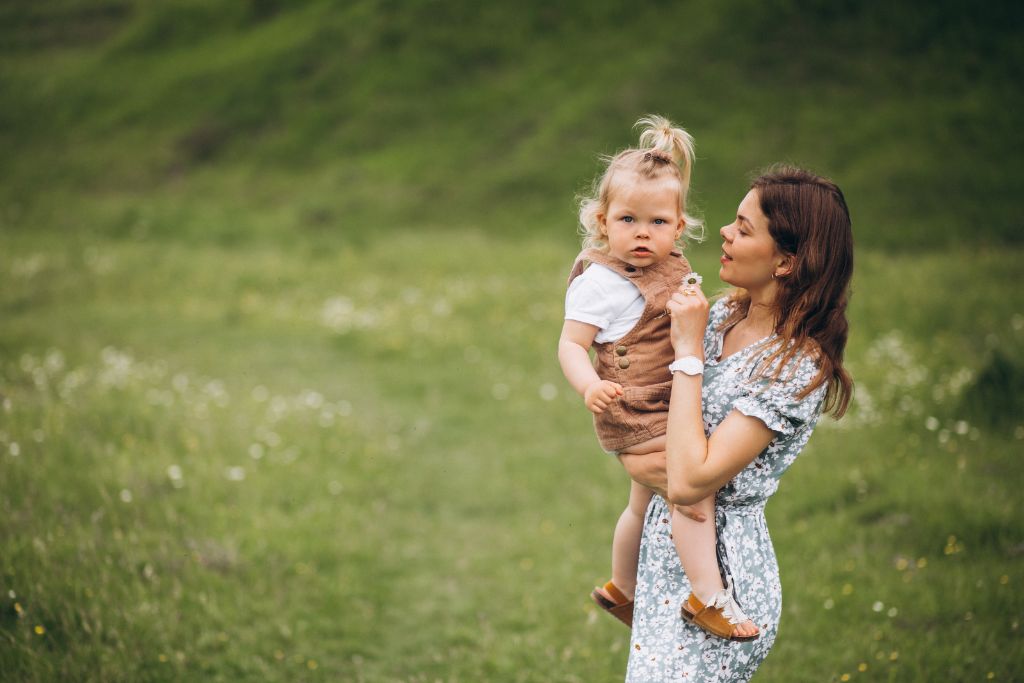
x,y
573,347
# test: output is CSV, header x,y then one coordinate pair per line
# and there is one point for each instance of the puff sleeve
x,y
775,402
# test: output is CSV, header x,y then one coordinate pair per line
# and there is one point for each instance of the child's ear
x,y
602,226
680,228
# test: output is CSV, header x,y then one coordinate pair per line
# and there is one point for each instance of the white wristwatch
x,y
691,365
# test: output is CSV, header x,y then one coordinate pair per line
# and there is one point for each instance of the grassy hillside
x,y
273,120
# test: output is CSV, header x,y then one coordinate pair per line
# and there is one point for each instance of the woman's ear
x,y
785,265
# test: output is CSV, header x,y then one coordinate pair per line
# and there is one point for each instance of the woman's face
x,y
749,254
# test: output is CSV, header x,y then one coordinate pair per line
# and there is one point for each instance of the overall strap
x,y
588,256
671,270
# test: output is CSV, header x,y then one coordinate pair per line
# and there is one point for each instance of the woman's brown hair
x,y
809,221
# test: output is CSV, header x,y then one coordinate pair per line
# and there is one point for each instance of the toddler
x,y
618,290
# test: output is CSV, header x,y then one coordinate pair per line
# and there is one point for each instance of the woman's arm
x,y
695,466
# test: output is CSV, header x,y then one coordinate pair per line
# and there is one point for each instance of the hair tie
x,y
658,155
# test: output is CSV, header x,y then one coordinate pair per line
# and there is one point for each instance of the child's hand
x,y
600,394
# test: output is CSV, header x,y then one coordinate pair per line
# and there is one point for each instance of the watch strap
x,y
690,365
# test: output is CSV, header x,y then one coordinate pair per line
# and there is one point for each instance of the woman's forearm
x,y
696,466
686,445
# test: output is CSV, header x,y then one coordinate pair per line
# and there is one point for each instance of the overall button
x,y
620,350
623,363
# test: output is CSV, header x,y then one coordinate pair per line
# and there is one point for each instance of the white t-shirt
x,y
601,297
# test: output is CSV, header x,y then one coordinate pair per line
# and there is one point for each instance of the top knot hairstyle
x,y
808,219
665,151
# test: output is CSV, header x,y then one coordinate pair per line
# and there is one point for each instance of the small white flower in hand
x,y
692,280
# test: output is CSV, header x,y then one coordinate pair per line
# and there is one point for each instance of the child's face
x,y
643,221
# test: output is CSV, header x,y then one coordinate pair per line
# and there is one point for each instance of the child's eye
x,y
660,221
627,219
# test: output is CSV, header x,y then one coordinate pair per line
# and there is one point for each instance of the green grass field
x,y
281,287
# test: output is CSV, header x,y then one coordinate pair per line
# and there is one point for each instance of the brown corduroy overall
x,y
639,361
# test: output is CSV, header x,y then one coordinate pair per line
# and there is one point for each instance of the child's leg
x,y
696,544
626,542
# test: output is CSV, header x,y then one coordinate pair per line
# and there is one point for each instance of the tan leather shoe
x,y
609,598
719,617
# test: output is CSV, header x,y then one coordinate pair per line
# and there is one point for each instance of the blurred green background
x,y
281,284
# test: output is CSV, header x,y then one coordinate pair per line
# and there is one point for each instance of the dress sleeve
x,y
775,402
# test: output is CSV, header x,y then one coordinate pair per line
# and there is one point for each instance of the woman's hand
x,y
688,308
648,469
691,512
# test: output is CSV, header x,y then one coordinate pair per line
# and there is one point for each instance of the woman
x,y
772,352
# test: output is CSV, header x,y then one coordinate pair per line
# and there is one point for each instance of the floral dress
x,y
663,646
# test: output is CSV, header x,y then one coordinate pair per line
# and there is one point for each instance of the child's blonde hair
x,y
665,151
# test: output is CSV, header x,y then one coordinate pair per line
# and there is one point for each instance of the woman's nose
x,y
725,233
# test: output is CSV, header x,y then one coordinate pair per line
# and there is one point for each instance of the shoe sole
x,y
612,608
